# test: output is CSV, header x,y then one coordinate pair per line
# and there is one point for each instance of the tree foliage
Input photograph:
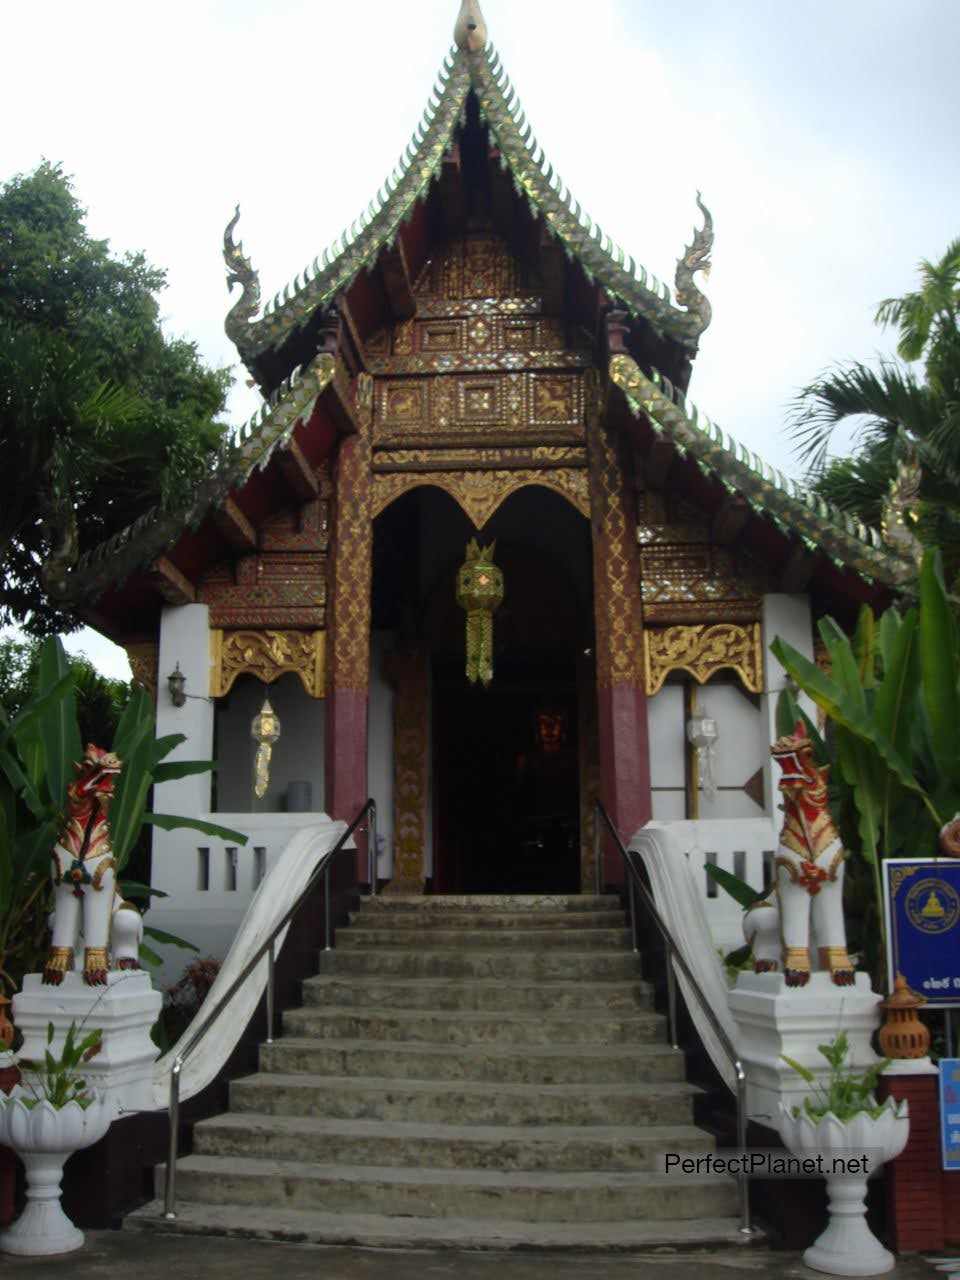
x,y
900,409
101,414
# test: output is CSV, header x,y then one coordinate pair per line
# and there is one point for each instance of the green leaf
x,y
133,788
864,647
135,725
738,889
828,695
897,691
163,746
134,889
801,1070
58,726
177,769
169,939
938,663
7,834
864,772
149,956
171,822
845,670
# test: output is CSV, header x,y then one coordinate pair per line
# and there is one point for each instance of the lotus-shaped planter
x,y
847,1247
44,1137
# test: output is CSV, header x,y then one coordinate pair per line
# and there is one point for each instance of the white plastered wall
x,y
209,881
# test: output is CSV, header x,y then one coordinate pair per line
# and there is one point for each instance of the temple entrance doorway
x,y
506,778
508,759
491,786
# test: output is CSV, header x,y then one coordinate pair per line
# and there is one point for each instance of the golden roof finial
x,y
470,33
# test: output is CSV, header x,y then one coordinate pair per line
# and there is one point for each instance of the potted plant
x,y
46,1118
850,1135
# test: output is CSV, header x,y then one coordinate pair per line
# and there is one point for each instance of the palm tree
x,y
899,412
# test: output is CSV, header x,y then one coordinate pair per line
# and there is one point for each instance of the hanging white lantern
x,y
702,735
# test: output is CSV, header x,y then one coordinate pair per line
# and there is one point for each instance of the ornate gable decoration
x,y
476,67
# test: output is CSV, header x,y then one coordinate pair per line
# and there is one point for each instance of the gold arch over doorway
x,y
481,493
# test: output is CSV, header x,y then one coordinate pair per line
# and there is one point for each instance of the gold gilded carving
x,y
267,655
478,399
553,399
707,574
703,651
353,541
145,665
588,738
619,620
403,403
420,410
411,710
480,493
470,459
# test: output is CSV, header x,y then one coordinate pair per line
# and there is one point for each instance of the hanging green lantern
x,y
479,591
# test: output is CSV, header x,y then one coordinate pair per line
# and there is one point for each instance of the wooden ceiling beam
x,y
729,520
503,198
397,282
175,587
352,348
553,273
234,527
657,462
798,570
296,472
453,201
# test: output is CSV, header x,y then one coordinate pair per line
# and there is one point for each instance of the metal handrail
x,y
635,882
269,947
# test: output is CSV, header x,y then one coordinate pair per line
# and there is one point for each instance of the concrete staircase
x,y
467,1072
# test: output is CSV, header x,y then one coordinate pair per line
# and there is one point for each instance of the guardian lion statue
x,y
803,910
84,876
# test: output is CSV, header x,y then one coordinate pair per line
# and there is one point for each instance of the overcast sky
x,y
823,136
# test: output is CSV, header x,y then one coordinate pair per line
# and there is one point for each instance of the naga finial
x,y
696,257
901,504
470,32
239,271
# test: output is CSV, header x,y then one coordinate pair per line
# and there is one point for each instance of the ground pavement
x,y
128,1255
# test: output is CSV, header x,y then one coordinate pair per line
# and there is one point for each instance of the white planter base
x,y
848,1247
43,1228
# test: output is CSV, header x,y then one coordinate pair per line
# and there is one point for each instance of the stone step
x,y
481,1194
470,938
536,1064
495,963
480,903
554,1149
327,991
381,1232
448,1102
461,918
474,1029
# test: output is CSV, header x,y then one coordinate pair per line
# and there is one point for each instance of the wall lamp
x,y
176,683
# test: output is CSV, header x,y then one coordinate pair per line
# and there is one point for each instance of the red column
x,y
349,626
618,614
914,1182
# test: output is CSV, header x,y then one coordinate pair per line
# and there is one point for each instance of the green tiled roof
x,y
535,180
792,507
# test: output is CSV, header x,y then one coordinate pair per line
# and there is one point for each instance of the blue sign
x,y
922,904
950,1111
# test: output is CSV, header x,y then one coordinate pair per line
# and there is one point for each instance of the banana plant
x,y
893,704
37,750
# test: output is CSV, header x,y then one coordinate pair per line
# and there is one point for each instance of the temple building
x,y
472,390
